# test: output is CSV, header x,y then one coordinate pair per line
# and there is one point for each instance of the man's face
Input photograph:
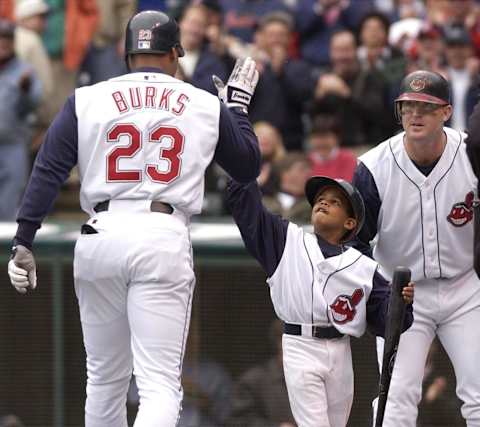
x,y
421,120
6,49
343,53
373,33
193,27
330,212
36,23
273,35
457,55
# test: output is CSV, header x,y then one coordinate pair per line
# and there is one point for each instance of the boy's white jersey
x,y
309,289
424,221
145,136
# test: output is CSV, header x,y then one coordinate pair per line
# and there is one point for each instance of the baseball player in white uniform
x,y
419,190
324,291
142,142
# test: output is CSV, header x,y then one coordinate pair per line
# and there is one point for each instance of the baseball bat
x,y
393,329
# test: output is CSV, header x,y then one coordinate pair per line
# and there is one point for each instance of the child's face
x,y
330,214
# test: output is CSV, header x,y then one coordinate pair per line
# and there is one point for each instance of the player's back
x,y
145,136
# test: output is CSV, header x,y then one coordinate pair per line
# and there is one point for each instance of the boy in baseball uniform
x,y
324,291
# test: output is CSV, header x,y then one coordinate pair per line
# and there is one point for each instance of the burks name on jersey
x,y
138,97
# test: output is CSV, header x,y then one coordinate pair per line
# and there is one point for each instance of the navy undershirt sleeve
x,y
237,150
377,307
364,182
263,233
56,158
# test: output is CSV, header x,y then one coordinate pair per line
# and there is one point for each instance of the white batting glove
x,y
22,269
240,86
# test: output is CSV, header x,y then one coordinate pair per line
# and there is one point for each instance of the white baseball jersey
x,y
437,236
309,289
145,136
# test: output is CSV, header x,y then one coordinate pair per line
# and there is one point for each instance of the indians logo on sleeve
x,y
343,308
462,212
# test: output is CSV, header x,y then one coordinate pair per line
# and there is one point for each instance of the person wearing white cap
x,y
30,16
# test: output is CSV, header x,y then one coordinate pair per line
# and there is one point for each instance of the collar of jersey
x,y
148,70
328,250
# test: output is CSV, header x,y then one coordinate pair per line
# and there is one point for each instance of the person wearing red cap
x,y
420,191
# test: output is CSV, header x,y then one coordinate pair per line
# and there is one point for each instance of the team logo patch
x,y
418,85
145,35
143,44
343,308
462,212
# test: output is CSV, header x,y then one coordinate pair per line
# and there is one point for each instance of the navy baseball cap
x,y
317,183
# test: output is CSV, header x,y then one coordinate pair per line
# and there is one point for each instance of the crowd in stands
x,y
329,72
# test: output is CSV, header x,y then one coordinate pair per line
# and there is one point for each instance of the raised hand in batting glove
x,y
22,269
238,91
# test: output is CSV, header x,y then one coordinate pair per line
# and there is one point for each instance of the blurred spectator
x,y
290,202
31,18
272,151
7,9
105,56
317,20
326,156
272,39
439,406
199,64
242,17
457,12
401,9
427,52
20,93
359,98
260,396
374,52
70,28
11,421
462,74
207,388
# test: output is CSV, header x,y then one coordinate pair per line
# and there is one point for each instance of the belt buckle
x,y
316,331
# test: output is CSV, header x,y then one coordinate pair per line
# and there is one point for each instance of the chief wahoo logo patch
x,y
343,308
462,212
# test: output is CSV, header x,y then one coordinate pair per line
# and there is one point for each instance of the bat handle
x,y
401,278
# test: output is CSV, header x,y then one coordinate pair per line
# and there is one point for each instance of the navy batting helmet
x,y
425,86
151,31
317,183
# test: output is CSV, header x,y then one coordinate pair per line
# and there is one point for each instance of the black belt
x,y
155,206
328,332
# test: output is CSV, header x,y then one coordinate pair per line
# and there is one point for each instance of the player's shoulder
x,y
454,136
383,152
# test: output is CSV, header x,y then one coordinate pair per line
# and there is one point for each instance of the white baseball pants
x,y
134,282
450,309
319,378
